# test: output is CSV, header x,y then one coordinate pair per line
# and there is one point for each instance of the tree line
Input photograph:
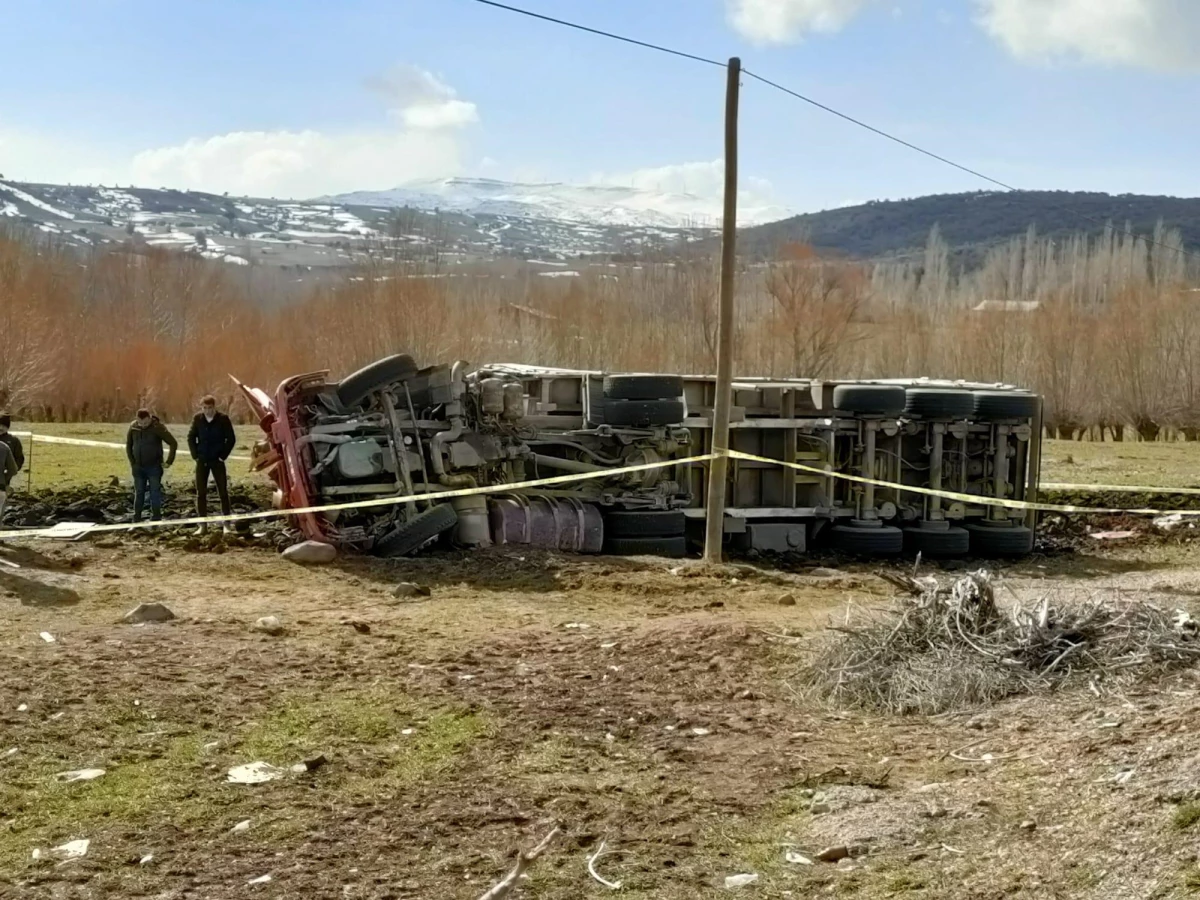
x,y
1107,327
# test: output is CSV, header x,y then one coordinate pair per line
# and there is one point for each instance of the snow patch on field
x,y
34,201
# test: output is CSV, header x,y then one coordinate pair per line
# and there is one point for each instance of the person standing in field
x,y
144,447
8,471
211,439
11,440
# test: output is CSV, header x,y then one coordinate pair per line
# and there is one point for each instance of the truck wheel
x,y
354,388
948,543
1000,541
670,547
886,540
645,523
993,405
869,399
643,387
417,531
933,403
642,413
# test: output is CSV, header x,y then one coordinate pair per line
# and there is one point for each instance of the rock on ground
x,y
311,553
148,612
269,625
406,589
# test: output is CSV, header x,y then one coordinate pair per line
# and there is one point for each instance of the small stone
x,y
406,589
819,808
312,553
148,612
269,625
72,850
241,827
787,600
1028,825
360,627
79,775
733,882
834,854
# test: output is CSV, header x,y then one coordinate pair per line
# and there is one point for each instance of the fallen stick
x,y
509,881
591,867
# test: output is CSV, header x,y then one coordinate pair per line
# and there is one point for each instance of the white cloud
x,y
421,137
423,140
783,21
1158,34
706,181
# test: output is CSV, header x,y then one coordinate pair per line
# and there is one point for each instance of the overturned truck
x,y
393,429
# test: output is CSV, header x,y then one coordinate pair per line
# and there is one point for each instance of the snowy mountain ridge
x,y
593,204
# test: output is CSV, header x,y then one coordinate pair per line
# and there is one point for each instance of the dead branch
x,y
524,860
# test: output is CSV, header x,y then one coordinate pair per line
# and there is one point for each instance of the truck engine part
x,y
546,523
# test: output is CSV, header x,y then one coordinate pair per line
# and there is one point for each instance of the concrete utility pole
x,y
719,467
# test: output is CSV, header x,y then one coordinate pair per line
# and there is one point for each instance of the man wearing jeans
x,y
144,447
211,439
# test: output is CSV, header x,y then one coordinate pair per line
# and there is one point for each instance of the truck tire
x,y
886,540
950,543
645,523
1000,541
643,387
669,547
993,405
939,403
642,413
417,531
869,399
354,388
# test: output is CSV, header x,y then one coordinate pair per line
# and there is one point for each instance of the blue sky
x,y
305,97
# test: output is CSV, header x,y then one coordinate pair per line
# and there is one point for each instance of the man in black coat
x,y
144,448
13,442
211,439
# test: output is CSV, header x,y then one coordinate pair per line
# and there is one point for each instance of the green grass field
x,y
1175,464
63,466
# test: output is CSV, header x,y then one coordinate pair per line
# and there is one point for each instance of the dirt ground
x,y
644,704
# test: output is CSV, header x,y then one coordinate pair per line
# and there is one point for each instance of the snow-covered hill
x,y
606,205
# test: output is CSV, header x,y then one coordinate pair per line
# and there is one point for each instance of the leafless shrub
x,y
954,648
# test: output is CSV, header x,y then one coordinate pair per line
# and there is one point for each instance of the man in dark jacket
x,y
211,439
144,447
8,471
13,442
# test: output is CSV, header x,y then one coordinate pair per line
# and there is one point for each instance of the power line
x,y
824,108
606,34
878,131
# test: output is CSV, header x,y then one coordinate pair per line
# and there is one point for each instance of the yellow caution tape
x,y
376,502
81,442
610,473
1118,488
955,495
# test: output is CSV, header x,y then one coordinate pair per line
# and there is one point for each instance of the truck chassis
x,y
396,429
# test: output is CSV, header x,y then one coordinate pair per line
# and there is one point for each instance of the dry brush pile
x,y
949,647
